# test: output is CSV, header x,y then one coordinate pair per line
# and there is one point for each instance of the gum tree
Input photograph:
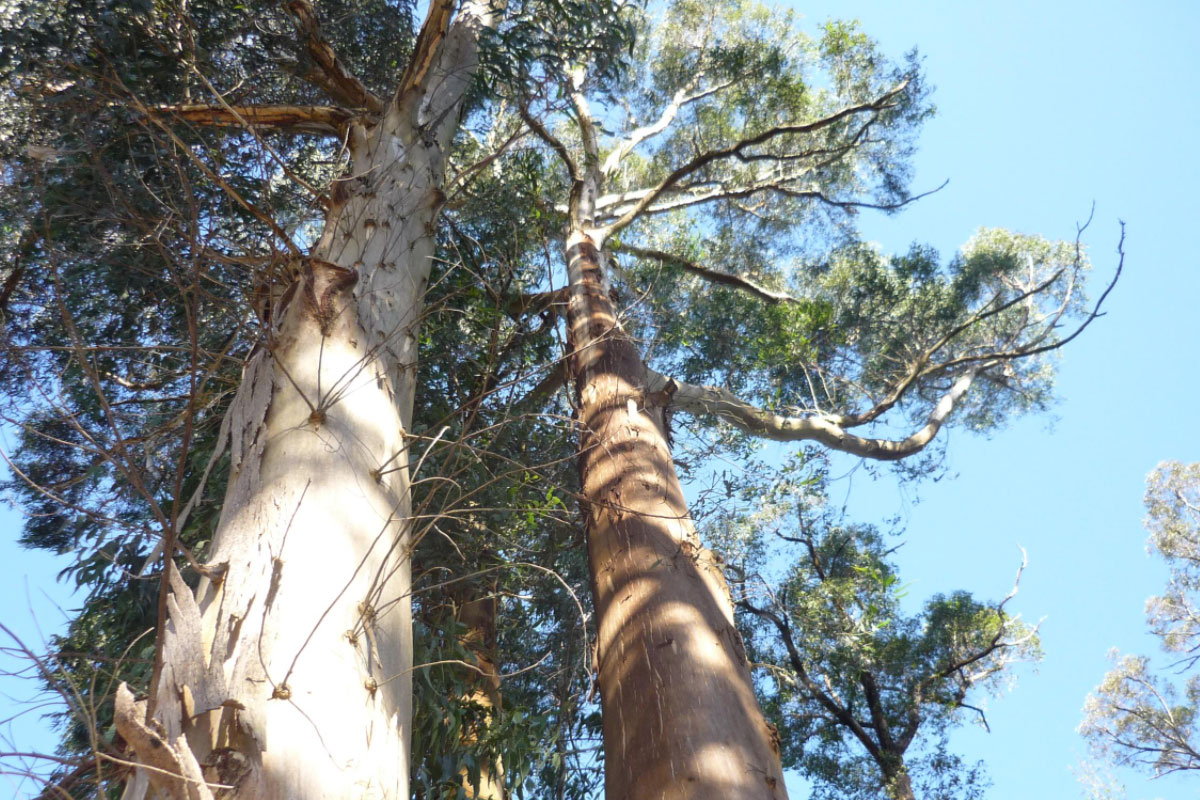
x,y
714,191
1139,717
864,694
161,136
725,166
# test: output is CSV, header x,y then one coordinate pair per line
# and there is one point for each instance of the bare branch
x,y
738,149
823,428
724,278
664,121
1027,352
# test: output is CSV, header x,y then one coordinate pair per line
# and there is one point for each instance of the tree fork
x,y
668,651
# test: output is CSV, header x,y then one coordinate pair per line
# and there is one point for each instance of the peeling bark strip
x,y
331,74
173,769
321,120
323,283
680,716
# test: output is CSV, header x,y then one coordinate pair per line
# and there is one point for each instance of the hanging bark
x,y
287,673
679,712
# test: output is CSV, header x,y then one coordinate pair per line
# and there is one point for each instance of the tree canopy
x,y
168,171
1140,716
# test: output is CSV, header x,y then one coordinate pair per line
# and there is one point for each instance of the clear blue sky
x,y
1043,108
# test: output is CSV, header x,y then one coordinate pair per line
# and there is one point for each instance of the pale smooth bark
x,y
287,673
828,429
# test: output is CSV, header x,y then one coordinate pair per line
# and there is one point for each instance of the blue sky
x,y
1043,109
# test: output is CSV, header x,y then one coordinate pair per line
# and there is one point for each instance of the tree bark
x,y
287,673
680,716
476,611
899,785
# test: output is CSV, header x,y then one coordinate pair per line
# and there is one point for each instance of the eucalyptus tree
x,y
153,151
1139,717
714,189
165,136
864,694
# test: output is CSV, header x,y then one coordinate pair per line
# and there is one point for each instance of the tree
x,y
1138,717
199,105
723,150
864,695
291,644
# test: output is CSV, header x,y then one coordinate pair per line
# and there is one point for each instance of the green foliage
x,y
493,501
862,690
540,36
1138,716
136,277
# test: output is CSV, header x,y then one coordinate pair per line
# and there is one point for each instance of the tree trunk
x,y
476,611
679,712
287,674
899,785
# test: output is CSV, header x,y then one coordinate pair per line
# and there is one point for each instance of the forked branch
x,y
738,150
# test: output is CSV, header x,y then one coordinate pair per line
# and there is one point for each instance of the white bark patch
x,y
298,658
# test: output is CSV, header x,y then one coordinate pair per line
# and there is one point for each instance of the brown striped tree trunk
x,y
679,712
476,608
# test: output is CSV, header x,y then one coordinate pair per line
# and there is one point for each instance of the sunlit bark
x,y
679,712
287,673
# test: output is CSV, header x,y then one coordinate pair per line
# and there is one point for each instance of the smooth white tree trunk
x,y
287,673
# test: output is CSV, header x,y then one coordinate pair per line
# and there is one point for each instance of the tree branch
x,y
1026,352
839,712
715,276
332,75
737,150
321,120
552,141
24,249
444,60
212,175
427,49
678,101
823,428
878,717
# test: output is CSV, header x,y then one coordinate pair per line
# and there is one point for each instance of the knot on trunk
x,y
324,283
